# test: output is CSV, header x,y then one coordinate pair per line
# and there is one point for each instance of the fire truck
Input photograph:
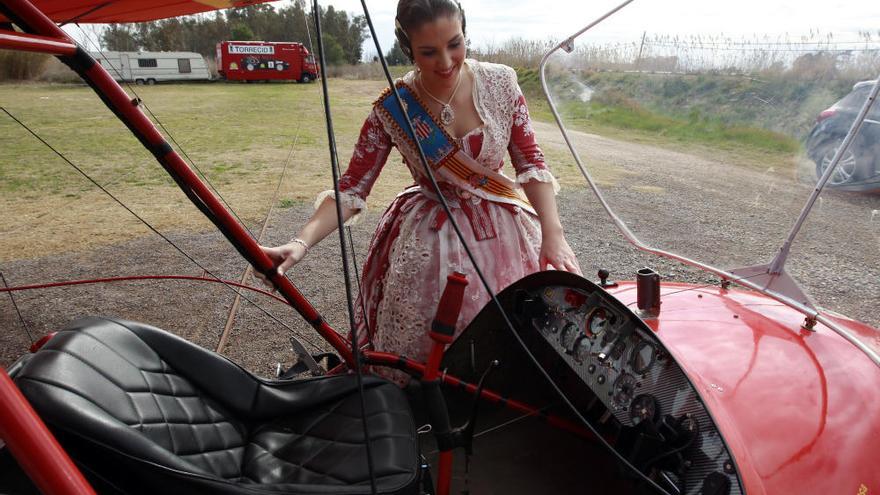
x,y
265,61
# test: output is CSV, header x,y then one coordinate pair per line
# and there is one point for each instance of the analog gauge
x,y
619,349
582,350
624,389
643,357
597,323
568,335
643,408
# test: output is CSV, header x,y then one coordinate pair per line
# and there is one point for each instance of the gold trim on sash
x,y
456,167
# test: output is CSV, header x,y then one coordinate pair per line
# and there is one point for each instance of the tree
x,y
396,56
120,38
344,34
242,32
333,52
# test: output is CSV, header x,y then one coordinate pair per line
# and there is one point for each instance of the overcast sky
x,y
493,21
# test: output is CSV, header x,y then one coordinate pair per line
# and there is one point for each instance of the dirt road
x,y
706,208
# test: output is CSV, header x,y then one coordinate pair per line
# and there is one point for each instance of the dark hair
x,y
413,14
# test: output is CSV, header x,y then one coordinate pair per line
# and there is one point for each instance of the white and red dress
x,y
415,247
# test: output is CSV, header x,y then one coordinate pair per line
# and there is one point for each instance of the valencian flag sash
x,y
448,162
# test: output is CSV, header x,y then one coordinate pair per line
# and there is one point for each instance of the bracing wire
x,y
14,305
230,319
334,165
150,226
357,272
164,129
505,317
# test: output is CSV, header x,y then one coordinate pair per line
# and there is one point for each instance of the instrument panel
x,y
617,356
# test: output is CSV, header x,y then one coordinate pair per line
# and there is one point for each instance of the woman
x,y
481,110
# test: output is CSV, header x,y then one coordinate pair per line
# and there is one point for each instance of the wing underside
x,y
107,11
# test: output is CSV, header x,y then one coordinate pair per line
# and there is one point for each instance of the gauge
x,y
624,388
597,323
618,349
582,349
568,335
644,408
643,357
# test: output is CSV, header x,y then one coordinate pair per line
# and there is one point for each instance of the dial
x,y
597,323
568,335
618,350
582,350
643,408
643,357
624,389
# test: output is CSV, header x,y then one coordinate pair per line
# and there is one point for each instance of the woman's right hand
x,y
283,258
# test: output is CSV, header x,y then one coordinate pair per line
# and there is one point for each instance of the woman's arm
x,y
322,223
555,250
369,156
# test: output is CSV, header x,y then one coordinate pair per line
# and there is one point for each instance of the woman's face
x,y
439,51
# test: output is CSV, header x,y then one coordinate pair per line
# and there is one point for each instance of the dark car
x,y
862,160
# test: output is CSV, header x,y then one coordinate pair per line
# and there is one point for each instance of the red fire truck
x,y
265,60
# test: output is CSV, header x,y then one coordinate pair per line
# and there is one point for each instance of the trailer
x,y
153,67
265,61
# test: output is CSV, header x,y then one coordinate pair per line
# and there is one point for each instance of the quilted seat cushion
x,y
324,446
149,412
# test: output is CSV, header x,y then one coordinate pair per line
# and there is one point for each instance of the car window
x,y
855,100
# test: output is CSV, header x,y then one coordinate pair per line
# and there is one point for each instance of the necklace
x,y
447,115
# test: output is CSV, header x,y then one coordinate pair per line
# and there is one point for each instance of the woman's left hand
x,y
556,252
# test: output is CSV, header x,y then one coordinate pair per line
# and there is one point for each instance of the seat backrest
x,y
98,380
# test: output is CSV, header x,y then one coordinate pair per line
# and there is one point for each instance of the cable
x,y
507,322
20,317
334,166
230,319
147,224
165,130
357,277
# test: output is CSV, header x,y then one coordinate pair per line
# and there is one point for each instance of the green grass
x,y
701,130
240,137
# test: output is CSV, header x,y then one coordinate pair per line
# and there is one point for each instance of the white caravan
x,y
153,67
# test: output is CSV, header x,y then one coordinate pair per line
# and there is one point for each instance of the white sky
x,y
493,21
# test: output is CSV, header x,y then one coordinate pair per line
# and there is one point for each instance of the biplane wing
x,y
107,11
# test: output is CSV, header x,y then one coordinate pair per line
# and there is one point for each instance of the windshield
x,y
710,145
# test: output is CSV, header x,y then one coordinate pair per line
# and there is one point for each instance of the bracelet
x,y
301,242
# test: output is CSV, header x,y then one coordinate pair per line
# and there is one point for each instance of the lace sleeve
x,y
525,154
369,156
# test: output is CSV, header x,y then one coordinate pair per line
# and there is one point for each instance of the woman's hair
x,y
413,14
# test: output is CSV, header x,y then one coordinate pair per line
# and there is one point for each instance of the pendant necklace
x,y
447,115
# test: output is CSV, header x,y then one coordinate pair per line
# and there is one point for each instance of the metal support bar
x,y
10,40
34,446
31,20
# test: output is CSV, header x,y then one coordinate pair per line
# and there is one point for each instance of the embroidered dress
x,y
415,247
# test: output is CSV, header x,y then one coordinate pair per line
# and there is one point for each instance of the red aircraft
x,y
634,387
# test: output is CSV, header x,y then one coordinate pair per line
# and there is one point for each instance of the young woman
x,y
483,114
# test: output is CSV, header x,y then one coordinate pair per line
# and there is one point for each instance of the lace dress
x,y
415,247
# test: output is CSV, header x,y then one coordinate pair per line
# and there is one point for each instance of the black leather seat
x,y
148,412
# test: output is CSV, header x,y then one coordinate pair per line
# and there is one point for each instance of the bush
x,y
21,66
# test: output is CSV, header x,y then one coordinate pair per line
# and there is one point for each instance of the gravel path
x,y
709,209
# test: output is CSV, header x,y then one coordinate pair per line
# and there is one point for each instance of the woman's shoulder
x,y
491,69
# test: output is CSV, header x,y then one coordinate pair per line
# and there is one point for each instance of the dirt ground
x,y
732,216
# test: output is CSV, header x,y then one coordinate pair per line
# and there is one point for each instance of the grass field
x,y
239,136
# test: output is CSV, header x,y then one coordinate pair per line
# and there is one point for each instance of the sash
x,y
446,159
